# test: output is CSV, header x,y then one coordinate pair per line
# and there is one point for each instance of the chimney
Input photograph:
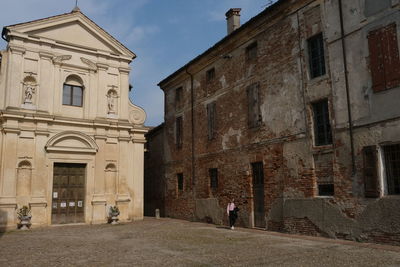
x,y
233,19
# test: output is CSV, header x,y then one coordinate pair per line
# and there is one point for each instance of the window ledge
x,y
312,81
325,197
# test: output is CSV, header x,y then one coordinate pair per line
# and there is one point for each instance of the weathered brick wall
x,y
284,142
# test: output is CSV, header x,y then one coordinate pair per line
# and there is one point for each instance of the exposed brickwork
x,y
283,141
301,226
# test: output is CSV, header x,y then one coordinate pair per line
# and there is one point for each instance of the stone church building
x,y
71,142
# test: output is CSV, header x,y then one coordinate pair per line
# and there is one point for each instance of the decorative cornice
x,y
42,132
123,70
124,138
102,66
11,130
19,50
46,55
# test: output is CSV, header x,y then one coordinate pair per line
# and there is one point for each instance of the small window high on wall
x,y
73,91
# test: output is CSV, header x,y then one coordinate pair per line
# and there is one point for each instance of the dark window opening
x,y
72,95
251,52
210,75
253,102
316,56
371,182
392,166
178,97
384,58
213,178
325,189
322,126
178,132
211,120
179,177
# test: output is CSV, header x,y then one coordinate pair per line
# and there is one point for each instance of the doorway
x,y
68,196
258,194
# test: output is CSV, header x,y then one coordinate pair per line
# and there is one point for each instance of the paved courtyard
x,y
168,242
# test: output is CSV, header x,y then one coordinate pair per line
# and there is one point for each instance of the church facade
x,y
71,142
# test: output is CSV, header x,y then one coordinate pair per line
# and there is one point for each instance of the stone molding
x,y
89,145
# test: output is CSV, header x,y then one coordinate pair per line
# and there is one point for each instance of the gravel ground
x,y
168,242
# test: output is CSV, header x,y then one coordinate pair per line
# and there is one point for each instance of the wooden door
x,y
258,194
68,194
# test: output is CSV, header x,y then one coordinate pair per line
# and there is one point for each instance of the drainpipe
x,y
192,129
353,164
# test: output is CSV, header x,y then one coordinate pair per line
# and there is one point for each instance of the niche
x,y
111,177
24,178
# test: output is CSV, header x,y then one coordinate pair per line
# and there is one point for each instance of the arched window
x,y
73,91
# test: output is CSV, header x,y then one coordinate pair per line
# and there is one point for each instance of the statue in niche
x,y
111,98
29,89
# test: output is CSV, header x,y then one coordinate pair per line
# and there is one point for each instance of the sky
x,y
164,34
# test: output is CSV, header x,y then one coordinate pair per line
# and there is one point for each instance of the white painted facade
x,y
106,133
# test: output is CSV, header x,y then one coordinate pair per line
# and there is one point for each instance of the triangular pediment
x,y
73,29
76,33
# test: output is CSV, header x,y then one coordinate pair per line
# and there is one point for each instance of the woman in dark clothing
x,y
232,210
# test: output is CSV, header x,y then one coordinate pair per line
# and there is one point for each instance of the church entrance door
x,y
68,197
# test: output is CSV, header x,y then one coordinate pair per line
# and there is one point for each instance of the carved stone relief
x,y
90,63
60,59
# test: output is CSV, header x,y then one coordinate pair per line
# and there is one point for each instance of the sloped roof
x,y
249,23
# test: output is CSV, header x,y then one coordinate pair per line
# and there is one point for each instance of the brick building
x,y
295,115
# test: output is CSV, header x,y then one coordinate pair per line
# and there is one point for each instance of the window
x,y
316,56
251,52
72,95
253,102
178,132
73,91
211,120
213,178
384,58
371,182
178,97
179,177
210,75
392,167
322,126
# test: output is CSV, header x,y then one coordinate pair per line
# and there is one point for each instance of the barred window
x,y
316,55
322,126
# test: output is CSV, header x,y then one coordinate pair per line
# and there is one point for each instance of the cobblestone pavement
x,y
168,242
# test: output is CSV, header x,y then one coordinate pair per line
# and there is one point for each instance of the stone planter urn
x,y
114,212
24,216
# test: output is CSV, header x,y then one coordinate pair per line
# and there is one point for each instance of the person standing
x,y
231,210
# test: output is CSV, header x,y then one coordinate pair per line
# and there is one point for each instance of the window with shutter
x,y
384,58
211,120
254,112
371,182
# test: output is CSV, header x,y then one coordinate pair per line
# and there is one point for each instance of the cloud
x,y
138,33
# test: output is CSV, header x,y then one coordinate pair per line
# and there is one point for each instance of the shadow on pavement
x,y
3,220
224,227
